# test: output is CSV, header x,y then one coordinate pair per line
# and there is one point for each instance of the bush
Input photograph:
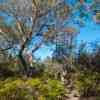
x,y
52,89
88,83
30,89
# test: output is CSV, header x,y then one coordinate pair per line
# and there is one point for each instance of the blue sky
x,y
90,32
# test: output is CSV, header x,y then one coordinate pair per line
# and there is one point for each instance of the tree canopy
x,y
30,17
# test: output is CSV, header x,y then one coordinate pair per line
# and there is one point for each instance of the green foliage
x,y
30,89
87,83
52,89
53,69
87,80
13,90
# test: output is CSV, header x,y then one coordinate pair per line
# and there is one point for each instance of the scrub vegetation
x,y
72,72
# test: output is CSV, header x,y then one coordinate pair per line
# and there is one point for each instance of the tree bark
x,y
23,62
22,59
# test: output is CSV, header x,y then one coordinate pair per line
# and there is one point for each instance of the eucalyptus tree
x,y
31,17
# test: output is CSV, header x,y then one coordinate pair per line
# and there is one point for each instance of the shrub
x,y
88,83
30,89
52,89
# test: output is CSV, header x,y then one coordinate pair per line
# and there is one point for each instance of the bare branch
x,y
5,49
